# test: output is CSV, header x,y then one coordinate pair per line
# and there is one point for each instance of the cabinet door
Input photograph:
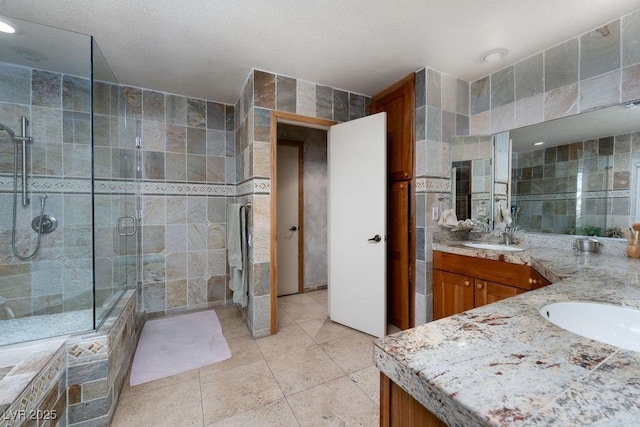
x,y
536,280
398,285
487,292
398,102
452,294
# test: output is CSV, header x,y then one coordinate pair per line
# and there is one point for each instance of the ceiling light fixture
x,y
538,143
494,55
8,27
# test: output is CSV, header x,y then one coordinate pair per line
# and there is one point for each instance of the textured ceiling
x,y
206,48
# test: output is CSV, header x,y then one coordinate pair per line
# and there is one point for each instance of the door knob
x,y
294,228
375,238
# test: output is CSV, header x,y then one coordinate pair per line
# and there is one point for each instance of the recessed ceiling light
x,y
494,55
8,27
538,143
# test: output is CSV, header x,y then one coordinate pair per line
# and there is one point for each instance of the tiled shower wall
x,y
545,184
57,106
263,93
596,69
188,177
442,112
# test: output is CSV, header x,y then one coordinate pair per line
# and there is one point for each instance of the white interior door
x,y
288,227
357,212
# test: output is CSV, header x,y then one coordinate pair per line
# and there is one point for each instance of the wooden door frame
x,y
300,146
296,120
381,97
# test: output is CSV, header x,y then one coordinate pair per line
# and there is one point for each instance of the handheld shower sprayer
x,y
44,223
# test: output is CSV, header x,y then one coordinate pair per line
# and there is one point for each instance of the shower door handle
x,y
121,227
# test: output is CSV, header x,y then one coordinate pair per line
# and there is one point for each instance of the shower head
x,y
8,130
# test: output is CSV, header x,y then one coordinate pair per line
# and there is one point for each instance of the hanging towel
x,y
237,251
448,218
506,216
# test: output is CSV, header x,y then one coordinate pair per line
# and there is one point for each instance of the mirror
x,y
583,178
471,178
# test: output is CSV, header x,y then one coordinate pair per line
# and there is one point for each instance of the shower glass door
x,y
46,279
116,191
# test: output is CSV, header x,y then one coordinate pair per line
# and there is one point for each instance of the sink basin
x,y
610,324
493,246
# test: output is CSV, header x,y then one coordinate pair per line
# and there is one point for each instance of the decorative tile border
x,y
254,186
500,188
45,381
178,189
83,186
433,185
49,185
480,196
572,196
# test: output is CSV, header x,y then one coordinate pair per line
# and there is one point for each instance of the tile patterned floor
x,y
312,373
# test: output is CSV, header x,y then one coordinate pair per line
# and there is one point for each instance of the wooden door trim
x,y
300,146
390,92
297,120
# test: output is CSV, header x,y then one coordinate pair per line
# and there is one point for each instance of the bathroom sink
x,y
492,246
610,324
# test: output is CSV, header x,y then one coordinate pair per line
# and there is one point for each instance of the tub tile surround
x,y
525,370
32,371
74,380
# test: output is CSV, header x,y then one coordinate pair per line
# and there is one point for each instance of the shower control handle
x,y
375,238
121,227
294,228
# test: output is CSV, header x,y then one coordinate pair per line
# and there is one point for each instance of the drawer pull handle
x,y
479,286
467,283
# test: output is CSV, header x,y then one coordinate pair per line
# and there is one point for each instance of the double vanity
x,y
507,363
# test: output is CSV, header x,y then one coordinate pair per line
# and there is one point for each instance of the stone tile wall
x,y
59,158
188,176
442,112
596,69
97,365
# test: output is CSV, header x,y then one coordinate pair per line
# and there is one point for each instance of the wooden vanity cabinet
x,y
461,283
399,409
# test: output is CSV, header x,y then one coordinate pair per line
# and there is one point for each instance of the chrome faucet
x,y
507,235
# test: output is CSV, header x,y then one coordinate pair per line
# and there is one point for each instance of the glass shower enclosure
x,y
69,193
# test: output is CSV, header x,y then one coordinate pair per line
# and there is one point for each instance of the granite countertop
x,y
504,364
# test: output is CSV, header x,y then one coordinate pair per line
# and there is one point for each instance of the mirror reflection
x,y
471,179
577,175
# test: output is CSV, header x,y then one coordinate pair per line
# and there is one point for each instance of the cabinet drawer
x,y
495,271
488,292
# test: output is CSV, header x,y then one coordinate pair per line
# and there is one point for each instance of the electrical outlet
x,y
434,214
